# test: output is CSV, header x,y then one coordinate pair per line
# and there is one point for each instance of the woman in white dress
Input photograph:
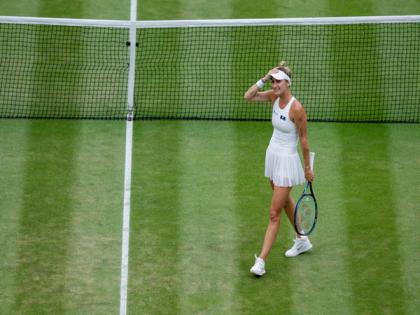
x,y
283,166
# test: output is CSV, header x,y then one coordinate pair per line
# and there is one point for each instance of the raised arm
x,y
254,95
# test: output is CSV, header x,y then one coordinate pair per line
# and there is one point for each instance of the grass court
x,y
200,203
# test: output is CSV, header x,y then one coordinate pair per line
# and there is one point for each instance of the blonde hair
x,y
285,68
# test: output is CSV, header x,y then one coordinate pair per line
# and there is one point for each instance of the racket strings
x,y
306,214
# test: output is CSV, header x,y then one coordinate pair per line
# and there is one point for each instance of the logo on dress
x,y
282,117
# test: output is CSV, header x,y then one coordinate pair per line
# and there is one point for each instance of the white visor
x,y
280,75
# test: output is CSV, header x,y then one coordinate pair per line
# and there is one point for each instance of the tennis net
x,y
344,69
62,71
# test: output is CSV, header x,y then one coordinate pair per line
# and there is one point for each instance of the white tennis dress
x,y
282,162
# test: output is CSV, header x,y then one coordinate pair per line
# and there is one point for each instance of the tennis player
x,y
283,166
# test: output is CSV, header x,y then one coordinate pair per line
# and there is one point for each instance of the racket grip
x,y
311,160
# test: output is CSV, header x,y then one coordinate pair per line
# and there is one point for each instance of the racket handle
x,y
311,160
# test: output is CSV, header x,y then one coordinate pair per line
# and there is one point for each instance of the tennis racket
x,y
306,209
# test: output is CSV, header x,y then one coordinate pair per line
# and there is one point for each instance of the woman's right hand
x,y
269,73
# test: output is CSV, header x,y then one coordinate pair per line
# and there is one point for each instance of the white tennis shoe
x,y
300,246
259,267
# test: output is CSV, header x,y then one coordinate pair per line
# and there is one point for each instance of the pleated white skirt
x,y
283,166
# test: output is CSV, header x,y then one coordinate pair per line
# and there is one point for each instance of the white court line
x,y
126,217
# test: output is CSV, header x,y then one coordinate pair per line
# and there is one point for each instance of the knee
x,y
274,216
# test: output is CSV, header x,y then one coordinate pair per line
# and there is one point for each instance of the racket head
x,y
306,213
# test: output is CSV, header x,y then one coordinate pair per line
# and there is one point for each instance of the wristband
x,y
260,84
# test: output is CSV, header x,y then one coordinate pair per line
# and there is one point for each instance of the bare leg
x,y
289,207
290,211
279,200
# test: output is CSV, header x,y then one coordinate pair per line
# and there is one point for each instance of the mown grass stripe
x,y
154,239
159,10
44,225
93,264
200,9
326,265
207,254
404,171
373,264
12,156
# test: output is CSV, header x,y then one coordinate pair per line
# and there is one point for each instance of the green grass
x,y
60,216
201,211
104,9
199,9
200,202
200,206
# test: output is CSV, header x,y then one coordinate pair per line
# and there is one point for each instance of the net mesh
x,y
54,71
341,72
361,72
